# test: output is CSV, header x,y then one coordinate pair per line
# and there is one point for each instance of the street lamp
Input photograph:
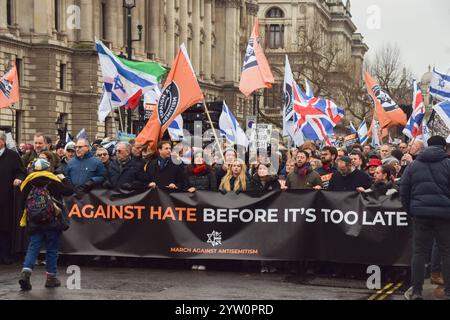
x,y
129,5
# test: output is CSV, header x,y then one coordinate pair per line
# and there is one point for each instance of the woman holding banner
x,y
199,176
236,178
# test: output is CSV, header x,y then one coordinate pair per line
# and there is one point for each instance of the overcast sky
x,y
421,28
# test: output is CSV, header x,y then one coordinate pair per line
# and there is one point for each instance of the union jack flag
x,y
312,122
416,125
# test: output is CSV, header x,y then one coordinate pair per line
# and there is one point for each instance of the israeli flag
x,y
363,133
375,134
176,129
440,86
443,110
82,135
352,128
68,139
230,129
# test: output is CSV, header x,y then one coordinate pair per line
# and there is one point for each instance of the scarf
x,y
303,170
199,169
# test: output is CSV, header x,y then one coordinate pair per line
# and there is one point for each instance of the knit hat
x,y
374,163
41,165
437,141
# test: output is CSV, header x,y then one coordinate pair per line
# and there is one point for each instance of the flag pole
x,y
120,119
214,130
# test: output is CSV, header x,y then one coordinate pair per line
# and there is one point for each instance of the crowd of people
x,y
420,173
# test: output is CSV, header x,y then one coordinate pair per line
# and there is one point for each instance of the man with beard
x,y
328,157
348,178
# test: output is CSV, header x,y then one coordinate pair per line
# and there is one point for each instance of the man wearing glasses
x,y
85,171
103,155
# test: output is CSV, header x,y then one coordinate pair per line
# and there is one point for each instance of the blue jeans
x,y
51,240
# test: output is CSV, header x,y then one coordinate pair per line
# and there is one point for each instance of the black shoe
x,y
25,283
52,282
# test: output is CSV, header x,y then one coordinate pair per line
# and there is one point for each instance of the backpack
x,y
40,206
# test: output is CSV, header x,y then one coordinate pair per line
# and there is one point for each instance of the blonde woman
x,y
236,178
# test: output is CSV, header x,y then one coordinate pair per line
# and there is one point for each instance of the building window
x,y
275,36
62,76
57,9
103,20
9,12
274,32
19,67
18,128
202,49
275,13
272,98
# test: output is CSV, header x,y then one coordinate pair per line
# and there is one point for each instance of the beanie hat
x,y
437,141
41,165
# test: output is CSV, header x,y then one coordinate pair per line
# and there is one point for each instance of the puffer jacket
x,y
425,185
56,189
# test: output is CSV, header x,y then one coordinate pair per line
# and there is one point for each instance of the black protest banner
x,y
341,227
350,140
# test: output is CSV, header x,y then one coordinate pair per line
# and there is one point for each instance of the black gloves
x,y
87,187
108,185
128,186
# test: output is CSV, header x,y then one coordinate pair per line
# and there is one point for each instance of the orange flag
x,y
180,92
256,72
388,112
9,88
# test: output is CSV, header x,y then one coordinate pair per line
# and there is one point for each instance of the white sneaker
x,y
201,268
195,267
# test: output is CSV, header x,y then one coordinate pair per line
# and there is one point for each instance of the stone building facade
x,y
52,44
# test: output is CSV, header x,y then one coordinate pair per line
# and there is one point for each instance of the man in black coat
x,y
348,178
125,171
162,172
425,194
12,173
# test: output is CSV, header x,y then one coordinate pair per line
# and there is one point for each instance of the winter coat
x,y
350,182
381,188
11,168
130,172
232,183
82,170
309,181
271,184
425,185
163,177
205,180
57,190
326,174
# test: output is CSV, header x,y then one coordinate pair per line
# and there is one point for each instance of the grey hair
x,y
127,146
3,136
